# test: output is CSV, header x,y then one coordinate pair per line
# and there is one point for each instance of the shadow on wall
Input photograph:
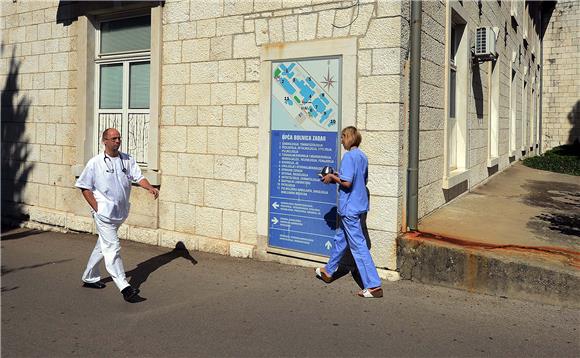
x,y
574,118
477,88
16,167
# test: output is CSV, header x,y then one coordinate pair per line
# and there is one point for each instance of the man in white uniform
x,y
106,185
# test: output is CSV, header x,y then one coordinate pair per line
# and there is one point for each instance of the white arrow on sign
x,y
274,220
328,245
275,205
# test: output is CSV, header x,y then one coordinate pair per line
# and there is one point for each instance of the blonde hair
x,y
352,137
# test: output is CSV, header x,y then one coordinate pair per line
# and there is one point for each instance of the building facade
x,y
190,85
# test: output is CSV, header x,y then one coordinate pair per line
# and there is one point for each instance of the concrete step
x,y
541,274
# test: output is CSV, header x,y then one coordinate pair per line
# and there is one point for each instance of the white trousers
x,y
107,247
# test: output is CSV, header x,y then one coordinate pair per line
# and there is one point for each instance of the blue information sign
x,y
304,138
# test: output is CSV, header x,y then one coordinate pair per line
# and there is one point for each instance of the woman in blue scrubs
x,y
353,201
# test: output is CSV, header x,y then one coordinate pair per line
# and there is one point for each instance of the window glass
x,y
111,86
132,34
452,92
139,85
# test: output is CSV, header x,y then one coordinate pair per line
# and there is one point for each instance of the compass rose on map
x,y
328,81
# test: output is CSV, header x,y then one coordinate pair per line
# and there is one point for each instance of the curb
x,y
539,275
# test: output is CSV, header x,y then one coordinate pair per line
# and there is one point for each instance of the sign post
x,y
304,122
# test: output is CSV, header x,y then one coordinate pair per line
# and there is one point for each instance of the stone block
x,y
230,168
143,235
195,165
387,61
171,238
383,214
195,50
168,163
173,139
197,140
170,32
221,48
383,116
230,225
241,250
206,27
307,27
230,195
232,71
252,170
222,141
383,180
197,95
186,115
360,26
185,218
248,93
60,175
290,25
430,170
248,231
166,215
187,31
173,95
230,25
245,46
80,223
379,89
365,62
382,32
433,144
248,143
234,7
261,31
234,116
384,249
47,216
196,188
325,21
207,10
275,28
210,115
172,52
252,70
176,12
266,5
215,246
51,154
382,148
253,116
176,74
342,18
204,72
172,189
208,222
223,93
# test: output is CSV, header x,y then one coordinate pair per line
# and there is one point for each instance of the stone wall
x,y
561,86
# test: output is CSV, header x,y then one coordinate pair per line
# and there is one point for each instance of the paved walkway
x,y
206,305
522,215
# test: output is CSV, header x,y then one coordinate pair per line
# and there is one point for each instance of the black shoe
x,y
97,285
131,294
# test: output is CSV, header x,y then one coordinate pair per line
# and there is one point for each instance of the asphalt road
x,y
207,305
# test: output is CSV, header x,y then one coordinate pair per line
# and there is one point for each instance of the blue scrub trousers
x,y
350,226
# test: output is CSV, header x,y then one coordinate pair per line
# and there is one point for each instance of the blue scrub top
x,y
354,169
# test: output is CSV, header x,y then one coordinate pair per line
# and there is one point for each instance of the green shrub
x,y
563,159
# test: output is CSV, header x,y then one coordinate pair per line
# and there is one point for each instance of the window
x,y
524,116
494,100
457,67
122,61
513,113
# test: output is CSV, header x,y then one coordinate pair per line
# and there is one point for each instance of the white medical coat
x,y
110,185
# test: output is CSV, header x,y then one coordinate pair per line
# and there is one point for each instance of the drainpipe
x,y
414,101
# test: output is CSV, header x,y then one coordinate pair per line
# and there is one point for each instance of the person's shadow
x,y
141,273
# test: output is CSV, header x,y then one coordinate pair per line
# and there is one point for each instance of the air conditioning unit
x,y
485,38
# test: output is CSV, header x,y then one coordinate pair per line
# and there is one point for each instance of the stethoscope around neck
x,y
109,164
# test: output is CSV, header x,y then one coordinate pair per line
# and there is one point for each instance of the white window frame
x,y
513,106
125,59
456,164
494,109
86,44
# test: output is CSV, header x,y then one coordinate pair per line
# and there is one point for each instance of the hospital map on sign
x,y
305,95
